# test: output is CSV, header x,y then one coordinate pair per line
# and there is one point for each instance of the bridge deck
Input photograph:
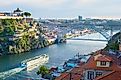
x,y
88,39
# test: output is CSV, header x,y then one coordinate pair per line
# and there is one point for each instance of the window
x,y
90,75
103,63
98,74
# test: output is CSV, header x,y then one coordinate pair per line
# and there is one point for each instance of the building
x,y
80,18
16,14
102,65
2,14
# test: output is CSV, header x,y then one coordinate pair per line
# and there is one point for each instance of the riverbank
x,y
56,53
19,36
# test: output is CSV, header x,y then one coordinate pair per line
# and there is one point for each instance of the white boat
x,y
35,62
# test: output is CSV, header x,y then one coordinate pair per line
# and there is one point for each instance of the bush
x,y
43,70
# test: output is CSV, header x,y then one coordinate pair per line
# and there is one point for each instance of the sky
x,y
65,8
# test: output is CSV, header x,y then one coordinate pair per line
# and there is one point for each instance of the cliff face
x,y
17,36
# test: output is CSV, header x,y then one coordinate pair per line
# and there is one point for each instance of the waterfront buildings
x,y
102,65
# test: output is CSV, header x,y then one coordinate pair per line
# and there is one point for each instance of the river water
x,y
58,53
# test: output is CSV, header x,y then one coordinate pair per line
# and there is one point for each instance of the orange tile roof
x,y
75,73
114,75
115,68
103,58
91,63
63,76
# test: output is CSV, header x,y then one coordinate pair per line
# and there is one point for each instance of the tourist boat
x,y
35,62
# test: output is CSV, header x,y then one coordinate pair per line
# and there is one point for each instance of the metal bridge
x,y
88,39
102,31
66,27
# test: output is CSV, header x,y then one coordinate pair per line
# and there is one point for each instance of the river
x,y
58,53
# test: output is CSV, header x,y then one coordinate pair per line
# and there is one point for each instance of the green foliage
x,y
65,36
43,70
113,43
9,26
113,46
26,42
8,30
27,14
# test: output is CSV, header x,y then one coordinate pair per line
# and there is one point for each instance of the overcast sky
x,y
65,8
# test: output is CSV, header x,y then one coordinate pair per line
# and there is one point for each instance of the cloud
x,y
35,3
46,3
85,2
3,3
61,8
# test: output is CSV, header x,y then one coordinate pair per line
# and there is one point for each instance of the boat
x,y
35,62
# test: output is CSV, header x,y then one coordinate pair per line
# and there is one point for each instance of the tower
x,y
79,18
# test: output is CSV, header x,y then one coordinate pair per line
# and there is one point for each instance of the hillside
x,y
17,36
114,42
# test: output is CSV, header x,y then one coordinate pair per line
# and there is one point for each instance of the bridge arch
x,y
102,31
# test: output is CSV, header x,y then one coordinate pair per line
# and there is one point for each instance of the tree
x,y
27,14
43,70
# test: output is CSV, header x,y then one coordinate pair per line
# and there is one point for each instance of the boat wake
x,y
27,65
8,73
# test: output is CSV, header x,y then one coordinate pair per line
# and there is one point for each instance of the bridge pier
x,y
60,39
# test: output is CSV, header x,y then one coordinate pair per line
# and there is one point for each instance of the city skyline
x,y
66,8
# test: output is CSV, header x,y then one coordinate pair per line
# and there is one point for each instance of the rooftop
x,y
18,10
114,75
75,73
105,56
114,70
101,57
